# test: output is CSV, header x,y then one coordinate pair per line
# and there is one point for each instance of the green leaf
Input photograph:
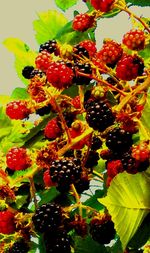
x,y
88,245
48,24
128,202
64,5
142,234
144,129
4,99
48,195
19,93
23,55
145,53
22,60
93,201
21,200
139,2
16,45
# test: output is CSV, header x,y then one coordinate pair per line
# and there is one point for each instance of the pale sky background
x,y
16,17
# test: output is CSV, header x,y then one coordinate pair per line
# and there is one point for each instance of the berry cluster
x,y
86,105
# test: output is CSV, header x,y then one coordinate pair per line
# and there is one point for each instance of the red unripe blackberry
x,y
17,110
75,133
50,46
96,143
85,69
76,102
129,67
47,179
64,172
99,116
52,129
18,159
141,152
19,247
47,217
110,53
114,167
7,223
102,230
43,60
83,22
90,46
134,39
59,75
58,242
26,72
118,140
102,5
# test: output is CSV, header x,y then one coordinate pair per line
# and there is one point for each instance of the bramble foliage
x,y
75,142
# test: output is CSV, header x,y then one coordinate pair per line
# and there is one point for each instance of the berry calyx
x,y
113,168
52,129
134,39
83,22
47,217
59,75
43,60
102,5
17,159
17,109
7,222
129,67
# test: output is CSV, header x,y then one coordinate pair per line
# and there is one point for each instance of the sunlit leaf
x,y
128,202
19,93
139,2
144,129
48,24
64,5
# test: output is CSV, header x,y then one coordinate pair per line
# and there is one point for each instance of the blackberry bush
x,y
75,141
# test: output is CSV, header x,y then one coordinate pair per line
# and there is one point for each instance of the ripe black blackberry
x,y
80,51
47,217
65,172
96,143
82,184
50,46
19,247
102,231
26,72
59,242
99,116
69,117
44,110
92,159
87,99
119,140
85,69
37,72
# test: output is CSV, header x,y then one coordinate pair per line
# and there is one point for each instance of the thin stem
x,y
135,16
103,82
62,120
98,175
77,197
33,191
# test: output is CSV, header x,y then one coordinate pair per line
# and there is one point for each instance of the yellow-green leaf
x,y
16,45
64,5
48,24
128,202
